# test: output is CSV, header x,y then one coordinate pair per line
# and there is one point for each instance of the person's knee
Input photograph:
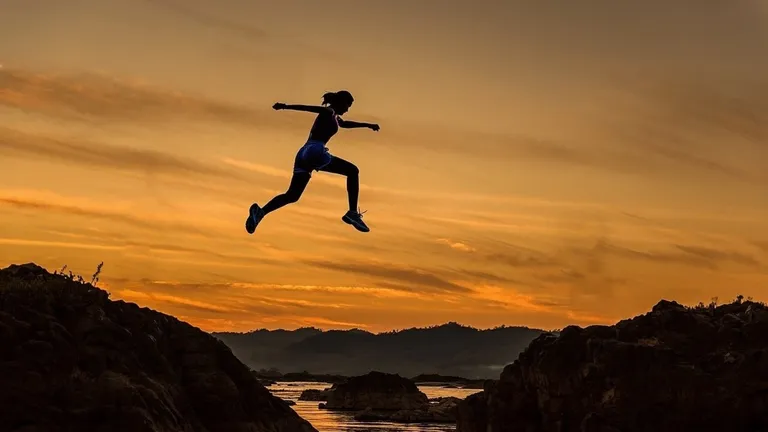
x,y
354,171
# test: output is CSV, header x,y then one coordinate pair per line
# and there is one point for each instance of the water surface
x,y
330,421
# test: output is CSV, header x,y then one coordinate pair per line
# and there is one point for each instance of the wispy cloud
x,y
498,145
17,201
716,255
694,256
92,154
374,291
674,126
456,245
62,244
180,302
210,15
205,18
763,245
679,121
416,279
97,97
216,306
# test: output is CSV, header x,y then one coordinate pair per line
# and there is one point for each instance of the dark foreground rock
x,y
378,391
672,369
73,360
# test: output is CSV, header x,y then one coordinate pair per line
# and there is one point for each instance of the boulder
x,y
378,391
314,395
72,359
440,411
673,369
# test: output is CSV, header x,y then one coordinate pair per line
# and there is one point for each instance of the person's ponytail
x,y
329,98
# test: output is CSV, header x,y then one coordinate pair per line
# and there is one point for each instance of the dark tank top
x,y
324,127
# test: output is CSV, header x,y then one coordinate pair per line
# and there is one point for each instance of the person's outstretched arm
x,y
308,108
349,124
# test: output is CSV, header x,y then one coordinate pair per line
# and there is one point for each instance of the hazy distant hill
x,y
449,349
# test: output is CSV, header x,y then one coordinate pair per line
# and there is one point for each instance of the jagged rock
x,y
378,391
441,411
315,395
71,359
672,369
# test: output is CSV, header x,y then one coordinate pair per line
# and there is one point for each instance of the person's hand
x,y
279,106
374,127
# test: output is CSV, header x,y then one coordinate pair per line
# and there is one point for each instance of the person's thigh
x,y
338,165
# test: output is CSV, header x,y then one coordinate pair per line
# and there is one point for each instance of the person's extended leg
x,y
299,182
343,167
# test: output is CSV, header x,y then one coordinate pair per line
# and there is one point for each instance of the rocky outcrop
x,y
378,391
672,369
315,395
442,410
71,359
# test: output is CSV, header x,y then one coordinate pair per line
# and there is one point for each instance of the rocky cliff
x,y
673,369
73,360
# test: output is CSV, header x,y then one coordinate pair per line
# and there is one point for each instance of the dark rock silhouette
x,y
315,395
447,381
377,391
448,349
442,410
673,369
73,360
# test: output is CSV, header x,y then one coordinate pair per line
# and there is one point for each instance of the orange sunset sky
x,y
539,163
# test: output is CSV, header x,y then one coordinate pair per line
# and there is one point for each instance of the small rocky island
x,y
379,396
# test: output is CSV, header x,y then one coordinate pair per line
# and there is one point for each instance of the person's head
x,y
339,101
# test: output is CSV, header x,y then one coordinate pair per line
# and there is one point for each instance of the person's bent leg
x,y
296,188
299,182
343,167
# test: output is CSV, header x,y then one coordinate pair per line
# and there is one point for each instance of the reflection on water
x,y
329,421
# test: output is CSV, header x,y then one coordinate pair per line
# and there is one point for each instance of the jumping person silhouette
x,y
314,155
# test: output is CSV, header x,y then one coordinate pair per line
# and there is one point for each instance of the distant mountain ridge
x,y
447,349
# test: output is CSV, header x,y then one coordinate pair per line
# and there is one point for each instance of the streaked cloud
x,y
104,214
716,255
763,245
693,256
90,154
102,98
456,245
408,278
205,18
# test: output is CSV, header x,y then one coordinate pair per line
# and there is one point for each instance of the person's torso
x,y
324,127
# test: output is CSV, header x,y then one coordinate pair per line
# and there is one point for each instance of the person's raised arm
x,y
349,124
308,108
